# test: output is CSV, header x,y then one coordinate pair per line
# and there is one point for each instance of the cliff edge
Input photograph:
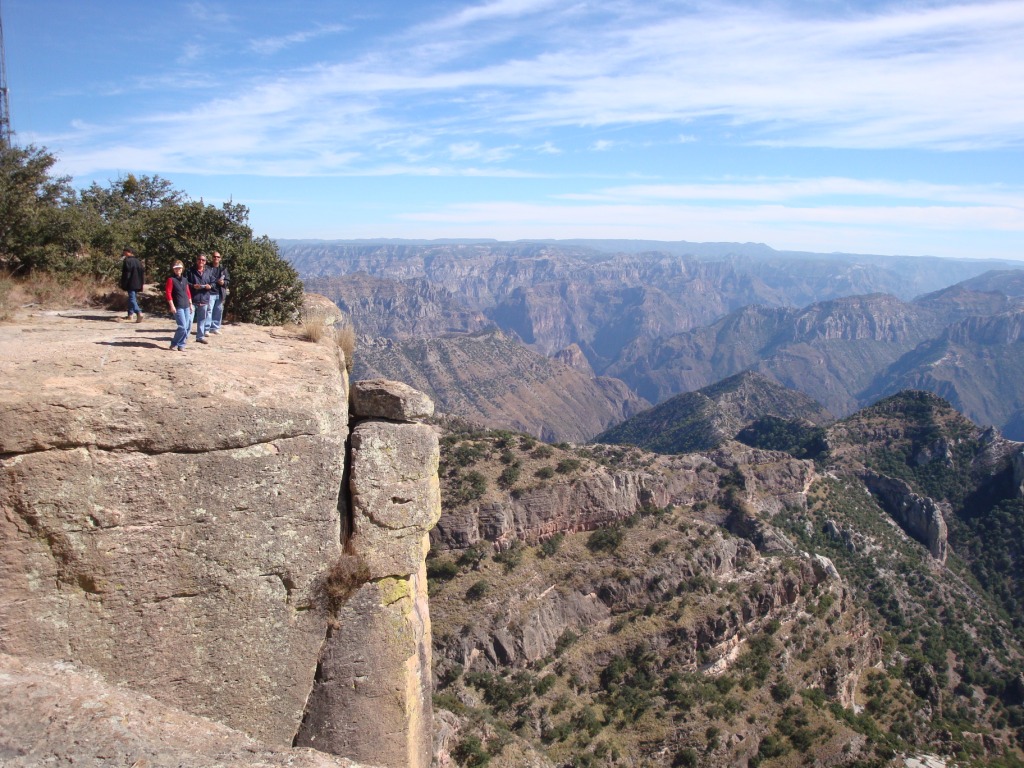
x,y
173,522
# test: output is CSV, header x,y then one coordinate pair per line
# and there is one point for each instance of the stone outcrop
x,y
919,516
371,699
165,518
178,525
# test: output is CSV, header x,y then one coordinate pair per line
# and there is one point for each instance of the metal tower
x,y
5,107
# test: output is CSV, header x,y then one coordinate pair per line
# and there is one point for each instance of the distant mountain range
x,y
671,318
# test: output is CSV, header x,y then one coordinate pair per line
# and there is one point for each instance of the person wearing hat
x,y
179,300
133,278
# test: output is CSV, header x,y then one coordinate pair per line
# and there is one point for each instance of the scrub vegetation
x,y
69,241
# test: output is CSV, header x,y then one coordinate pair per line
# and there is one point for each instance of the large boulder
x,y
167,517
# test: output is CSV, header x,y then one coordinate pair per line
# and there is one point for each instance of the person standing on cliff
x,y
200,283
215,312
179,300
133,278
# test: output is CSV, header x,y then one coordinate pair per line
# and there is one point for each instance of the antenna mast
x,y
5,107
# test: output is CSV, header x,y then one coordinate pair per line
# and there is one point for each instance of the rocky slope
x,y
830,351
490,378
570,631
705,419
976,364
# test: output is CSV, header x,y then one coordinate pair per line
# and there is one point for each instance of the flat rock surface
x,y
78,377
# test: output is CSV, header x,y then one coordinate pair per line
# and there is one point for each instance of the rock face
x,y
920,516
175,523
595,496
166,519
54,713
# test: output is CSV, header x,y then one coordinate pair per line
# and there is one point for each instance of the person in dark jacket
x,y
200,282
215,312
133,278
179,300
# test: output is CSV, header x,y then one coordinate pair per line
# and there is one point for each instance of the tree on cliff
x,y
46,225
33,204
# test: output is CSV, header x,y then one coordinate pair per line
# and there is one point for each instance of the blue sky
x,y
872,126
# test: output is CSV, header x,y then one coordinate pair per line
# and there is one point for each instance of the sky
x,y
868,126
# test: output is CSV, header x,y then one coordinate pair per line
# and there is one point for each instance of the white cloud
x,y
211,13
907,76
496,9
270,45
781,190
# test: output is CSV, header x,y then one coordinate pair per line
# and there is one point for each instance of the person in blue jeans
x,y
215,310
133,278
200,283
179,300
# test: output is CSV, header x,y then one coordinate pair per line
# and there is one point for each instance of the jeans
x,y
211,313
218,312
200,320
133,303
184,320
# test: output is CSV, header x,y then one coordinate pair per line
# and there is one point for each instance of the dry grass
x,y
345,338
346,575
313,325
49,291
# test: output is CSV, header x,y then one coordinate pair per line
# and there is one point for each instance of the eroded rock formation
x,y
919,516
371,700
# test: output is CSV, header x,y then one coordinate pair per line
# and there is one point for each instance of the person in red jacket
x,y
179,300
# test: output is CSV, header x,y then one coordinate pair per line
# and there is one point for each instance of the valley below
x,y
710,505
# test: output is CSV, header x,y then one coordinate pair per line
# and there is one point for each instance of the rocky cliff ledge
x,y
175,525
921,517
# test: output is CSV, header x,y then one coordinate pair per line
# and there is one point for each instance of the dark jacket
x,y
196,279
133,274
219,272
177,292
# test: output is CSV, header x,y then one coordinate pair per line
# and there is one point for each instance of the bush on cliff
x,y
48,227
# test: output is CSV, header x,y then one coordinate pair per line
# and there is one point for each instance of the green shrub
x,y
566,466
478,590
509,475
470,753
564,641
550,546
685,758
510,557
442,570
605,540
